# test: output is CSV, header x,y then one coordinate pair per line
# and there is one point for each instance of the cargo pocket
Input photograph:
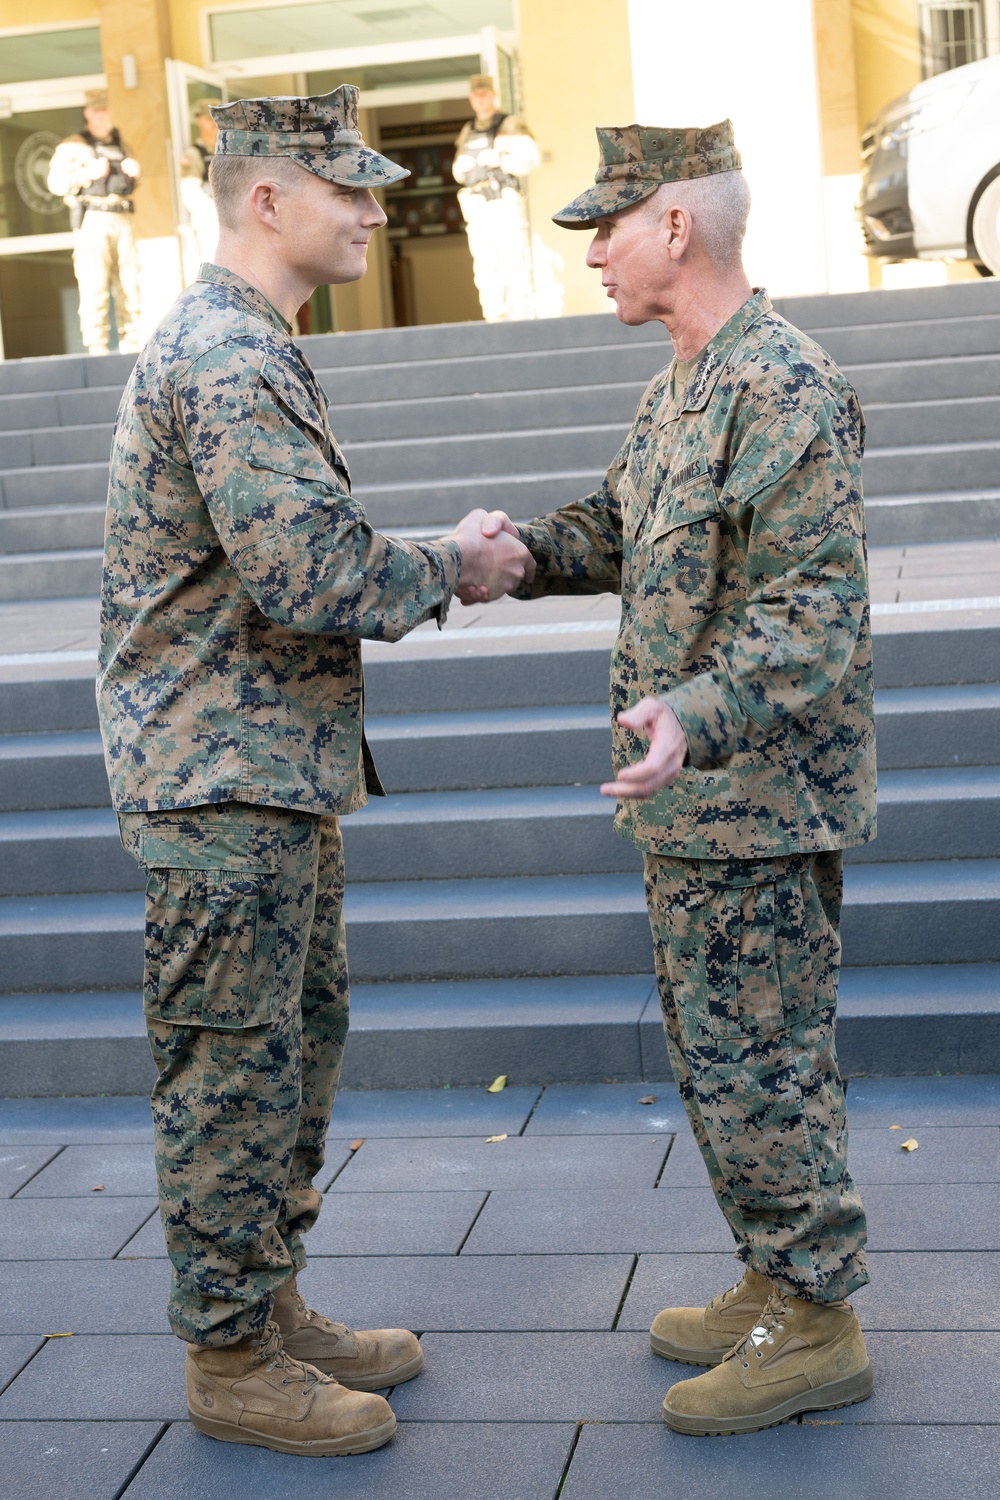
x,y
211,931
741,971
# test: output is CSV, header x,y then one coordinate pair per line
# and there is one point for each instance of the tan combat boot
x,y
704,1336
253,1392
361,1361
801,1356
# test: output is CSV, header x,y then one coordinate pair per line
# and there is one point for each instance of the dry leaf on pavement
x,y
497,1084
98,1189
356,1145
910,1145
490,1139
648,1099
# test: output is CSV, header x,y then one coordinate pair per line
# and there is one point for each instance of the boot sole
x,y
376,1382
703,1357
355,1442
825,1398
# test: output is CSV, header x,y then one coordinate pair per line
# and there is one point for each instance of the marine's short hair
x,y
719,207
232,177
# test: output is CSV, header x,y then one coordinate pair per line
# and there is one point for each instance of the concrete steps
x,y
495,921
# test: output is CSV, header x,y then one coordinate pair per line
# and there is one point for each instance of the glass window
x,y
27,142
397,75
277,31
952,35
51,54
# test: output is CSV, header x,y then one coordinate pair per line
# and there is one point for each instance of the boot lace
x,y
754,1345
273,1356
308,1313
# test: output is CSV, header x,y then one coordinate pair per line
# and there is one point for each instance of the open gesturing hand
x,y
662,763
494,559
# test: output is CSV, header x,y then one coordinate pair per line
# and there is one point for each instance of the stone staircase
x,y
496,924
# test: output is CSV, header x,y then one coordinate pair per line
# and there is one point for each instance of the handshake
x,y
494,559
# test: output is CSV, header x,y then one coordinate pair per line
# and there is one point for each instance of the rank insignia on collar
x,y
702,376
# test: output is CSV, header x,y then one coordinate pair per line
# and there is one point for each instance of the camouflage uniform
x,y
732,524
239,577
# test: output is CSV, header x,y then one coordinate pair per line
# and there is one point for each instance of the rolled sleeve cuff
x,y
705,714
446,555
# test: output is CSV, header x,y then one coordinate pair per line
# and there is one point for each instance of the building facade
x,y
799,78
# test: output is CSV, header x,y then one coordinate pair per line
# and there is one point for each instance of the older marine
x,y
732,524
240,576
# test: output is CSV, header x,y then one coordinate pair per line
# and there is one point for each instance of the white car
x,y
931,178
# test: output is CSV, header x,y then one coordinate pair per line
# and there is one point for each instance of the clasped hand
x,y
494,559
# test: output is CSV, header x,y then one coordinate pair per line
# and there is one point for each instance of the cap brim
x,y
353,166
600,201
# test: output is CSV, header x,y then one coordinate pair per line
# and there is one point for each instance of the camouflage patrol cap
x,y
480,83
320,133
637,159
96,99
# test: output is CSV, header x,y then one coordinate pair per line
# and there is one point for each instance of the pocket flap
x,y
226,849
694,501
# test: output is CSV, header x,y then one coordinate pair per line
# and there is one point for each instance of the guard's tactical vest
x,y
116,184
489,182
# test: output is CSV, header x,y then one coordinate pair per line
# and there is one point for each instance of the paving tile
x,y
86,1460
122,1169
425,1461
642,1219
92,1121
799,1462
933,1215
42,1227
147,1243
15,1351
19,1164
909,1385
944,1154
685,1165
675,1281
908,1292
415,1112
586,1164
393,1223
607,1109
475,1293
911,1102
101,1296
545,1377
101,1378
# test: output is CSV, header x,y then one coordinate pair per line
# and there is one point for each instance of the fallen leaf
x,y
57,1335
497,1084
356,1145
910,1145
490,1139
98,1189
648,1099
895,1127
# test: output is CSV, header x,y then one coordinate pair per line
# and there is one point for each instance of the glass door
x,y
188,91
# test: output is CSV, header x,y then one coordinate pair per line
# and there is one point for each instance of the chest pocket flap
x,y
289,435
695,500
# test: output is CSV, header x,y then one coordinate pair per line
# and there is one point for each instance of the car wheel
x,y
986,226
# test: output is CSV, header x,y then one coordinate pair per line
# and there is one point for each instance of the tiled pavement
x,y
531,1266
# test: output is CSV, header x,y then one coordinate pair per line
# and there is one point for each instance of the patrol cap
x,y
96,99
637,159
320,133
481,82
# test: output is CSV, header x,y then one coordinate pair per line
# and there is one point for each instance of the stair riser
x,y
944,931
929,520
51,529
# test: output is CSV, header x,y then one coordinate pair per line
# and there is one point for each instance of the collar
x,y
219,276
715,355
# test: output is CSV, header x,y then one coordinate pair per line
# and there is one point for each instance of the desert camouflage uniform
x,y
492,203
239,577
732,524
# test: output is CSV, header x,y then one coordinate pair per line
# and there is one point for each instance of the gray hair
x,y
718,205
233,177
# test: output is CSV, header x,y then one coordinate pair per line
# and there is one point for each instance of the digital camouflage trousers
x,y
246,1000
747,960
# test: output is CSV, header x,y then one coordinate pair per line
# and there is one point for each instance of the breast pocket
x,y
289,434
691,567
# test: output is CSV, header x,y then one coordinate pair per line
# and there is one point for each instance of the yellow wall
x,y
51,13
576,73
886,51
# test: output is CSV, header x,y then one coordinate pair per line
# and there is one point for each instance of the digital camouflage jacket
x,y
732,524
239,573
